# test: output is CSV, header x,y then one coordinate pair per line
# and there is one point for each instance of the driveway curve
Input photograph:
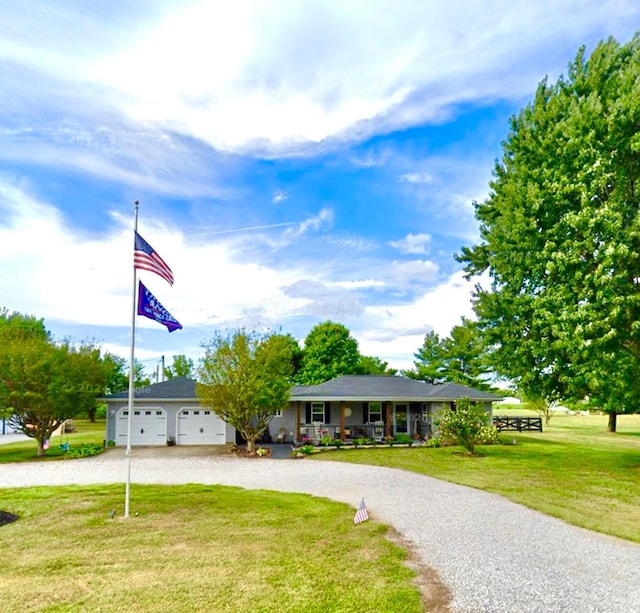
x,y
492,554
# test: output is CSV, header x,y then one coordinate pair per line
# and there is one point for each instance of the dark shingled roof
x,y
367,387
180,388
363,386
347,387
455,391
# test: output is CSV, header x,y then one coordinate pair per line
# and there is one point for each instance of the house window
x,y
317,412
375,411
277,413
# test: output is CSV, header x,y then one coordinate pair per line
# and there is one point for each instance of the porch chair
x,y
318,428
281,437
378,430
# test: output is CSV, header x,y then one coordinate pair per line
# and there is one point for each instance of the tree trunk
x,y
251,444
41,449
613,421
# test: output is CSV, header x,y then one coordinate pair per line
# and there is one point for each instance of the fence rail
x,y
519,424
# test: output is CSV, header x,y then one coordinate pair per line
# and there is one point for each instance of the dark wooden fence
x,y
520,424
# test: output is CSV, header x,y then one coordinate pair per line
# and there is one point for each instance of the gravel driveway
x,y
493,555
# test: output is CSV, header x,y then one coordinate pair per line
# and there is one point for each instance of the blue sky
x,y
295,161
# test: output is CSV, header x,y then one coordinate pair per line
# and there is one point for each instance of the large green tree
x,y
465,356
560,238
429,363
42,384
17,326
329,351
245,377
460,357
372,365
182,366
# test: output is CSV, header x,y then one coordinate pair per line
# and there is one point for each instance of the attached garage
x,y
198,426
148,426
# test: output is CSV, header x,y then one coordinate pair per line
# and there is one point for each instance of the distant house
x,y
350,406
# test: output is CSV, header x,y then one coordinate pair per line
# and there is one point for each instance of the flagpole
x,y
131,370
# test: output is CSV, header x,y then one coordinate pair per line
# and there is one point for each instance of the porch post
x,y
388,425
342,420
298,406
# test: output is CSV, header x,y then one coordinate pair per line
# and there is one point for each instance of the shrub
x,y
307,449
489,435
465,425
326,441
84,450
402,439
361,441
433,442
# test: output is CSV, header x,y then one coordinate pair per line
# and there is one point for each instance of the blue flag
x,y
149,306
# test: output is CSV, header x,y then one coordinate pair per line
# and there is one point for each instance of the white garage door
x,y
148,427
200,427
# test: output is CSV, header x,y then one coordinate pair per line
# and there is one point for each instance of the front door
x,y
400,412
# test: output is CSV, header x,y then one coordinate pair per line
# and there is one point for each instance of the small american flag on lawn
x,y
361,513
146,258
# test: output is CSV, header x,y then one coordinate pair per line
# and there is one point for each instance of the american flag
x,y
146,258
361,513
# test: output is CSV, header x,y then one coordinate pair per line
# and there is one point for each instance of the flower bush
x,y
465,425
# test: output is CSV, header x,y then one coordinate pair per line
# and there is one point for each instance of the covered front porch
x,y
370,420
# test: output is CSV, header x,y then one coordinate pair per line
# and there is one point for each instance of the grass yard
x,y
25,451
574,470
195,548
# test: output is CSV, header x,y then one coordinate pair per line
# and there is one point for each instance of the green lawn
x,y
195,548
574,470
25,451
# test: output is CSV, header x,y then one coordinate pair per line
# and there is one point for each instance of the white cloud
x,y
413,243
397,331
273,77
362,284
323,220
416,177
325,301
279,196
411,272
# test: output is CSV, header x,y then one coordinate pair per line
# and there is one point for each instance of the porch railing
x,y
375,431
318,432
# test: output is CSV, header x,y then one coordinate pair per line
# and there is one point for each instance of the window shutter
x,y
308,413
365,412
327,412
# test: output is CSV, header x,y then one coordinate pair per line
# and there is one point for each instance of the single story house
x,y
350,406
